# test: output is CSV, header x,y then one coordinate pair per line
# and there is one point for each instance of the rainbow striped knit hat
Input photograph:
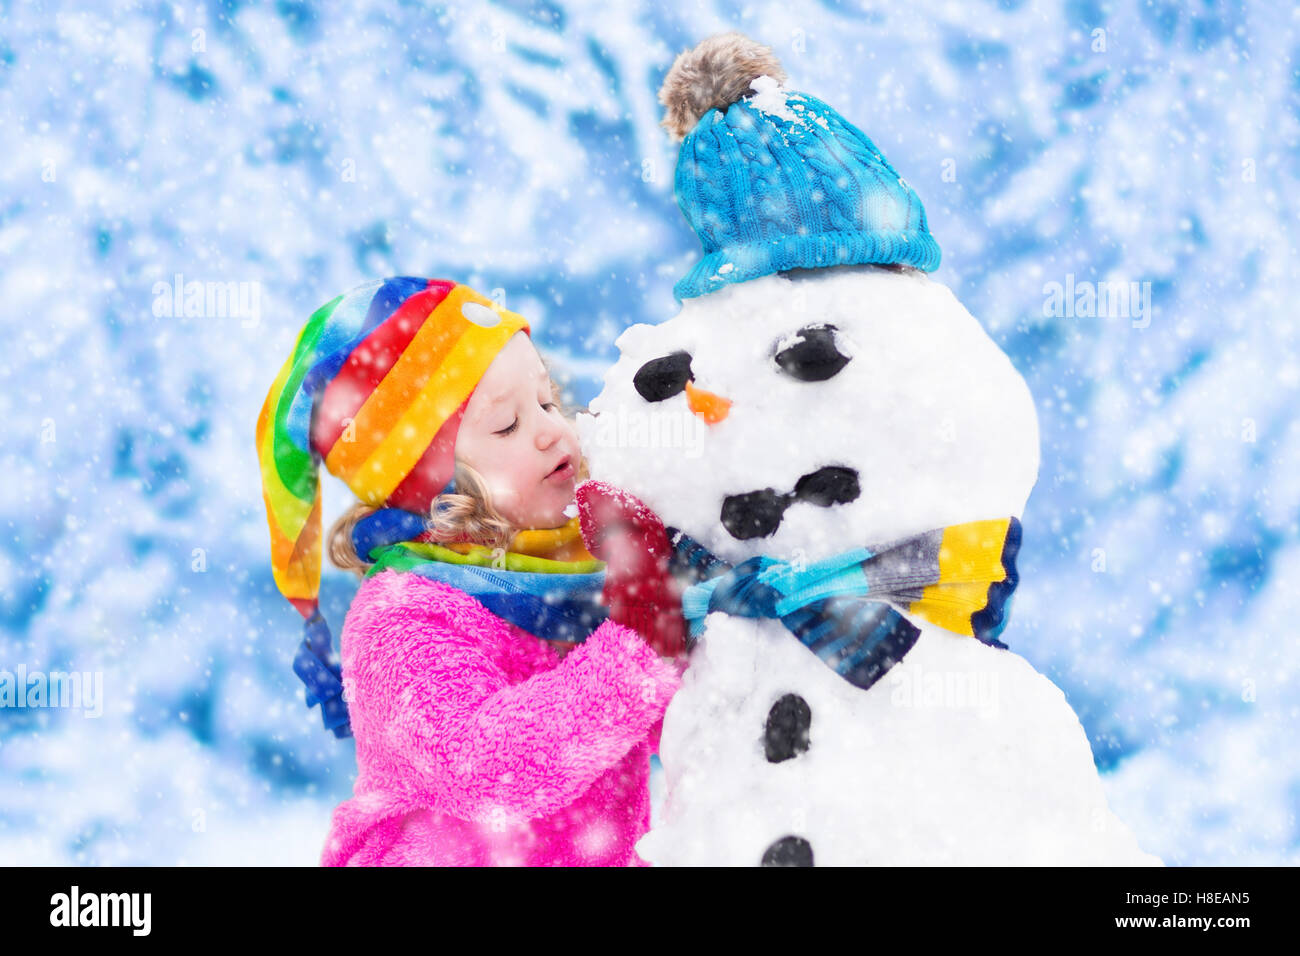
x,y
376,388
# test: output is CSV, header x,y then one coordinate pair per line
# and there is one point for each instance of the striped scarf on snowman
x,y
845,608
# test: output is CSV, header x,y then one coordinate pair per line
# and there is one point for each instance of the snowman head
x,y
806,414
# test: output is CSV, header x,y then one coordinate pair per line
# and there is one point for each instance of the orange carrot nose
x,y
712,408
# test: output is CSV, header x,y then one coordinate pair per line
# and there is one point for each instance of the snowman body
x,y
880,383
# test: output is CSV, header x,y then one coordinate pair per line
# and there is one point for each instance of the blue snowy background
x,y
304,147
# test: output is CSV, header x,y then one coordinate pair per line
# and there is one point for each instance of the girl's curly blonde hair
x,y
467,514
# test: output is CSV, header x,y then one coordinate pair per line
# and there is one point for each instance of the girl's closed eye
x,y
549,406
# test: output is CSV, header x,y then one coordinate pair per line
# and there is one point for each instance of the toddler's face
x,y
515,437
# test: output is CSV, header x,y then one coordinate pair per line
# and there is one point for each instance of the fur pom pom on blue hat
x,y
772,180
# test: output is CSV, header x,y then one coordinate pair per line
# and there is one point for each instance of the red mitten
x,y
620,530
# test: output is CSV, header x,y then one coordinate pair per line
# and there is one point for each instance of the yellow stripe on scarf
x,y
554,544
970,560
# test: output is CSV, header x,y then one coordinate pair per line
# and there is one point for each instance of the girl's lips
x,y
564,471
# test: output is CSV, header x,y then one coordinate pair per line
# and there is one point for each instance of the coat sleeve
x,y
430,695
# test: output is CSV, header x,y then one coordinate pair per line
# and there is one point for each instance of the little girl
x,y
479,740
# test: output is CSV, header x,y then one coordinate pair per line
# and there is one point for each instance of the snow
x,y
769,97
918,770
517,147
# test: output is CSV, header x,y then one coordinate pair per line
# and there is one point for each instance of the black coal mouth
x,y
758,514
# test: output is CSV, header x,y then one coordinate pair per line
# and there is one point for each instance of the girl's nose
x,y
548,432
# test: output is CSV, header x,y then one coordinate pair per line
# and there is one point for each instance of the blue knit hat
x,y
778,180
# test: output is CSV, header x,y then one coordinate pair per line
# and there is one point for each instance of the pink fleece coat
x,y
477,744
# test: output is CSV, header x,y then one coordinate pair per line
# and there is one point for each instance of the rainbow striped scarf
x,y
960,577
546,583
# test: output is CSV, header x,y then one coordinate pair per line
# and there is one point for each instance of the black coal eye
x,y
814,358
664,377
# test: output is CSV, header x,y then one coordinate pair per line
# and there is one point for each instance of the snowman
x,y
840,454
